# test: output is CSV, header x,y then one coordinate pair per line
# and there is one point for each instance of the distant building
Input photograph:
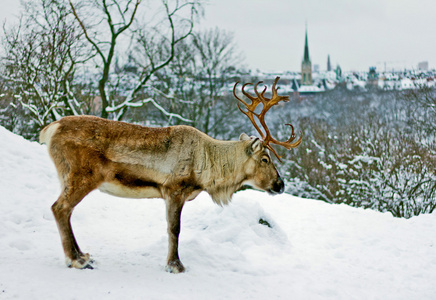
x,y
315,68
329,65
306,66
338,72
372,80
423,66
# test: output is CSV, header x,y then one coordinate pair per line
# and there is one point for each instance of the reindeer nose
x,y
279,186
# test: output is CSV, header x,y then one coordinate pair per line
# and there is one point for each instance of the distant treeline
x,y
366,149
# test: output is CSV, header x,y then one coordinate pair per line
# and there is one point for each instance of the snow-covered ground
x,y
313,250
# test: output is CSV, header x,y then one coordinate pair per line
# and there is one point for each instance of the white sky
x,y
357,34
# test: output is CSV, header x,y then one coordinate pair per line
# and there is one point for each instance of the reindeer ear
x,y
256,145
244,137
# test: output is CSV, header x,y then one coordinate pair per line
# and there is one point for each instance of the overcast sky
x,y
356,33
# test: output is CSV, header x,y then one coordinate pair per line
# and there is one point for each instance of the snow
x,y
313,250
309,88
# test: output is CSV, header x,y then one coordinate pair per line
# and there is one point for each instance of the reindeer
x,y
174,163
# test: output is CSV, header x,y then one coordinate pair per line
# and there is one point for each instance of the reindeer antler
x,y
267,104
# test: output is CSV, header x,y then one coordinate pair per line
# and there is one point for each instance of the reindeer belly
x,y
120,190
132,181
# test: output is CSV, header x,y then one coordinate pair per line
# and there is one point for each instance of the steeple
x,y
306,65
329,66
306,48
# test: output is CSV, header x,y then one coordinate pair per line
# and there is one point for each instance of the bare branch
x,y
94,44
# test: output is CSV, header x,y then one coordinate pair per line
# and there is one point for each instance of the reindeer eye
x,y
265,160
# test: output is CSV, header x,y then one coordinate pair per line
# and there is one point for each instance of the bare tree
x,y
118,16
41,55
216,60
204,68
422,108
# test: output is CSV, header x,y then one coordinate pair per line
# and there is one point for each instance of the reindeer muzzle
x,y
278,187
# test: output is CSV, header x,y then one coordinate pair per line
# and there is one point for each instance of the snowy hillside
x,y
313,250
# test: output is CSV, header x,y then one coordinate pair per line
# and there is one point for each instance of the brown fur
x,y
174,163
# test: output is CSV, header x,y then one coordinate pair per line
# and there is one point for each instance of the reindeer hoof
x,y
88,266
83,262
175,267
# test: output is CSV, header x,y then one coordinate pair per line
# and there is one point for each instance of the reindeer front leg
x,y
174,207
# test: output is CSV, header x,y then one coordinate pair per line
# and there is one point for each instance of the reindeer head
x,y
265,175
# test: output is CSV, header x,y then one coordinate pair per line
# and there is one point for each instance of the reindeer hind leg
x,y
62,209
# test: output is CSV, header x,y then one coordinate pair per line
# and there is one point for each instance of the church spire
x,y
306,48
306,65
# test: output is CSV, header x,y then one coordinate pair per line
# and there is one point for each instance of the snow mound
x,y
258,247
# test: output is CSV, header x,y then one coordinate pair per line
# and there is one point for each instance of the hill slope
x,y
313,250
